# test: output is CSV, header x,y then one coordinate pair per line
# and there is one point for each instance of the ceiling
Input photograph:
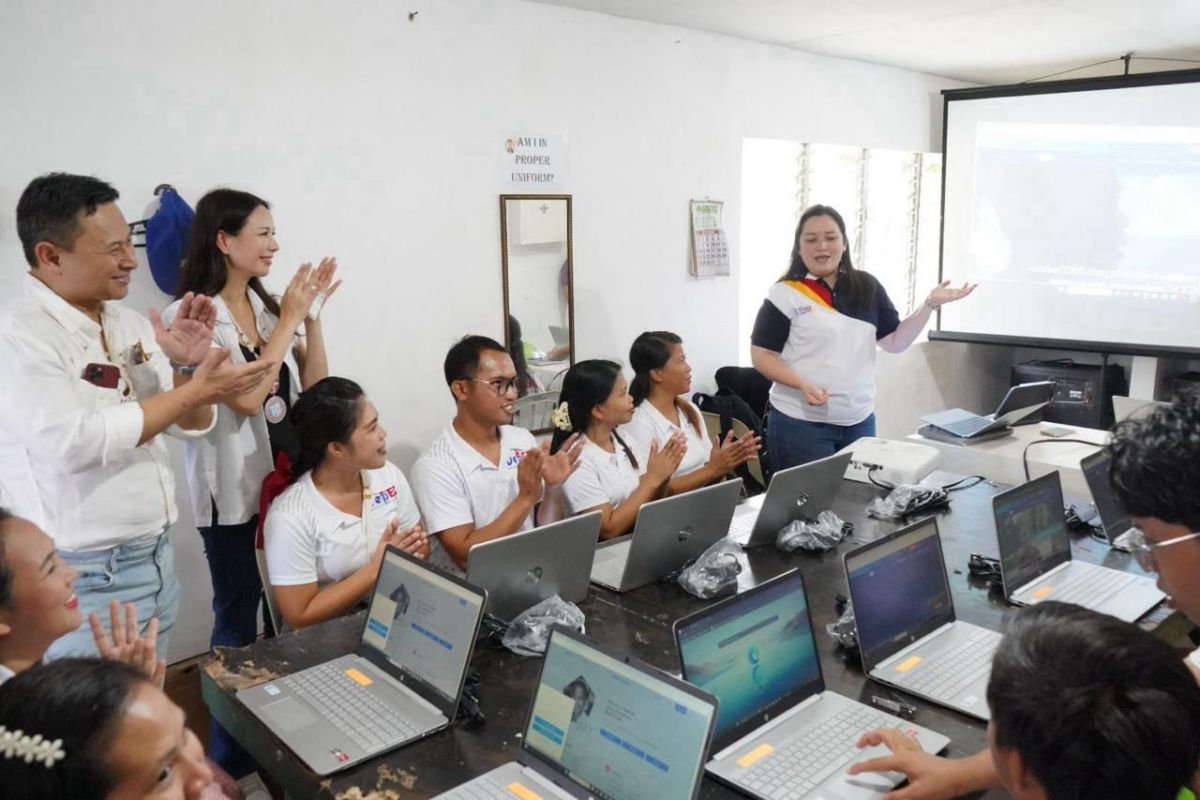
x,y
979,41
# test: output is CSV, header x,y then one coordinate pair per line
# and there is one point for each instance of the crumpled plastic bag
x,y
845,630
822,534
715,572
529,633
908,498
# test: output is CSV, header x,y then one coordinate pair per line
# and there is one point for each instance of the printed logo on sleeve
x,y
802,310
386,496
514,457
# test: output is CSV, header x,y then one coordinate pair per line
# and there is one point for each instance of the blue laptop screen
x,y
754,654
1031,530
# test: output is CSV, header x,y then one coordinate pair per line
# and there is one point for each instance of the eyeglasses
x,y
1143,551
501,386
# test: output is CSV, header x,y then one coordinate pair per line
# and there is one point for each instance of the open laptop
x,y
799,492
1113,520
908,633
523,569
1035,557
667,534
607,727
959,426
779,733
560,334
402,683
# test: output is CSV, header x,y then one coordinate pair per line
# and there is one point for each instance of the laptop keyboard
x,y
799,765
1093,588
952,670
965,427
742,526
609,566
350,708
485,787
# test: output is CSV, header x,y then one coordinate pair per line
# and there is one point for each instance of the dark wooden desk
x,y
638,623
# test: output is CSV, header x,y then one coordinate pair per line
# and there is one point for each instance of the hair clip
x,y
561,417
15,744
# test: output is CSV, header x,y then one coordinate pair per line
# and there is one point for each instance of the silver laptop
x,y
1113,520
1035,557
907,630
401,684
800,492
523,569
779,733
1134,408
667,534
958,425
560,334
602,726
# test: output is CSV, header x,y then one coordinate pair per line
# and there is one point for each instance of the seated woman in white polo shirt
x,y
609,480
662,378
326,534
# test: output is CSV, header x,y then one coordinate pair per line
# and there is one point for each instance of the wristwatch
x,y
184,369
932,306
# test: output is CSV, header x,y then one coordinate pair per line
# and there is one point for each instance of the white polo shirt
x,y
307,539
602,477
455,485
649,424
69,452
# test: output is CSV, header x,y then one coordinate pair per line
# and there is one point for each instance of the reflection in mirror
x,y
536,248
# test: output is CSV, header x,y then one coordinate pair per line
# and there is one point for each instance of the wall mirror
x,y
535,246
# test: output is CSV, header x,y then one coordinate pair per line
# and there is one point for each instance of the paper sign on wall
x,y
710,249
533,163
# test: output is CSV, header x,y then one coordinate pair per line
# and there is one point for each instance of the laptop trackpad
x,y
289,714
862,786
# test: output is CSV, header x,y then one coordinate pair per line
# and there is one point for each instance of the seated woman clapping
x,y
326,534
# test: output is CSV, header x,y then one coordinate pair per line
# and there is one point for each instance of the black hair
x,y
51,205
325,413
1094,707
204,269
78,700
462,361
6,575
1155,466
652,350
516,349
586,385
854,286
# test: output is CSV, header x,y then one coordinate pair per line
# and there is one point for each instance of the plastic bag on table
x,y
715,572
528,634
845,630
822,534
908,498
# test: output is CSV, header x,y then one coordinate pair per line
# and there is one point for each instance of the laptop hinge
x,y
915,645
757,732
1043,577
407,691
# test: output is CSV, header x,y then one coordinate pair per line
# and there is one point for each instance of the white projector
x,y
890,461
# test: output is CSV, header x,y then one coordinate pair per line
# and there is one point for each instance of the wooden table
x,y
638,623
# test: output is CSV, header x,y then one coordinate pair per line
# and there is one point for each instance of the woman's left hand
x,y
943,293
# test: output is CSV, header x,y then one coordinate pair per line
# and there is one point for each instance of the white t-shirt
x,y
649,424
307,539
602,477
455,485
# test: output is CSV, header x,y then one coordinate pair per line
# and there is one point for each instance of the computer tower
x,y
1082,392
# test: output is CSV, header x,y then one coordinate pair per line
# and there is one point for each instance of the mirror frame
x,y
504,198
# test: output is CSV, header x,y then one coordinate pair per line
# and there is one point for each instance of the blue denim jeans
x,y
142,573
792,441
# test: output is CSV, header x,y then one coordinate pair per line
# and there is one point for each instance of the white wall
x,y
372,136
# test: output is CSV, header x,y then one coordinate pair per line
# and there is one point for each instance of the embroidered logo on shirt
x,y
802,310
386,496
514,458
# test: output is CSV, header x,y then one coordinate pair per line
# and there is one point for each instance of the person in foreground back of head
x,y
106,733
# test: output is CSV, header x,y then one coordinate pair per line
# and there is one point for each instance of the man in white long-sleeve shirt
x,y
86,387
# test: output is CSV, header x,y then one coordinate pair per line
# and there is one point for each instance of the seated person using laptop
x,y
325,535
483,478
1166,511
661,381
594,402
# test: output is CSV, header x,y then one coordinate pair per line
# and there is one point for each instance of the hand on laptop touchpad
x,y
864,785
289,714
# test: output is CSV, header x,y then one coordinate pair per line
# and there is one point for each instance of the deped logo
x,y
514,458
386,496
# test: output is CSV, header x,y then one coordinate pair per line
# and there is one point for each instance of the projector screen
x,y
1076,208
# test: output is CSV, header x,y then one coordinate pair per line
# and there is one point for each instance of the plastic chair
x,y
532,412
712,424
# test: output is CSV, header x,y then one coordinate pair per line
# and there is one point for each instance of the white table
x,y
1000,459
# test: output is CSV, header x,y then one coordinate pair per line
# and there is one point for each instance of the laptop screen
x,y
756,654
1031,530
423,624
1112,515
899,590
615,729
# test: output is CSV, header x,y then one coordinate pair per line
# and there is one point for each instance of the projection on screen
x,y
1084,229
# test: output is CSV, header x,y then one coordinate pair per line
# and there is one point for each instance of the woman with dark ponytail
x,y
662,378
815,337
595,401
326,535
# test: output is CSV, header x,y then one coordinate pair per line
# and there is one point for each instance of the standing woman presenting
x,y
815,337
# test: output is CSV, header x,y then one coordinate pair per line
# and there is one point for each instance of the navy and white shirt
x,y
828,343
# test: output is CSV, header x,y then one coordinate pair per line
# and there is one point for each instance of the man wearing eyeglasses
x,y
483,478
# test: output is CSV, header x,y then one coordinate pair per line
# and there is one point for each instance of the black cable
x,y
1025,452
949,487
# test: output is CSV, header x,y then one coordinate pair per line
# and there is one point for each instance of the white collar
x,y
63,312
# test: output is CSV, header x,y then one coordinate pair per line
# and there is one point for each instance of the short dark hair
x,y
78,700
6,576
50,207
1155,466
1094,706
463,359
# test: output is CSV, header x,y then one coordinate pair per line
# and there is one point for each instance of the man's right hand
x,y
219,380
929,777
529,474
